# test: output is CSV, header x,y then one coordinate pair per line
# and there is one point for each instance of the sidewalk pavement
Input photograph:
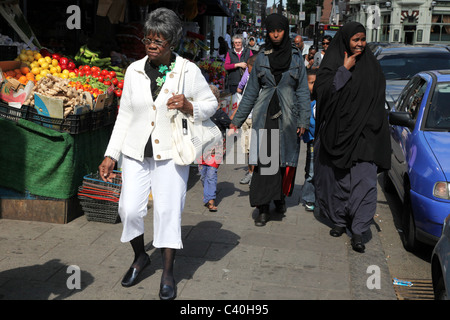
x,y
225,257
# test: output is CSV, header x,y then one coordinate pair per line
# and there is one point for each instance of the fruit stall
x,y
56,116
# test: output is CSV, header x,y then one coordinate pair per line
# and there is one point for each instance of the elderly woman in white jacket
x,y
142,134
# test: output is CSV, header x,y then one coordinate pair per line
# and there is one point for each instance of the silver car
x,y
400,62
440,264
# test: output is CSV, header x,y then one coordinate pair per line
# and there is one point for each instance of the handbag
x,y
191,139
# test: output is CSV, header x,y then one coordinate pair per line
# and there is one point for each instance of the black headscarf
x,y
352,122
280,56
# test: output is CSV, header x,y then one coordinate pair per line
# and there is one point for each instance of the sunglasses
x,y
327,43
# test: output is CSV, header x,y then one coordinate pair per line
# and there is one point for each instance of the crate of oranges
x,y
16,82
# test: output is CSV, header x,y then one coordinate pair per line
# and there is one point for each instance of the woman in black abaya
x,y
277,92
352,137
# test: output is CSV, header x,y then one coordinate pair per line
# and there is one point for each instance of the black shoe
x,y
357,243
167,292
280,206
337,231
262,219
130,277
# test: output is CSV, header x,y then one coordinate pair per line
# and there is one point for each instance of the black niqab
x,y
352,122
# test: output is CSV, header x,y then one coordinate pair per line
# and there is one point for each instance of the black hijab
x,y
279,55
352,122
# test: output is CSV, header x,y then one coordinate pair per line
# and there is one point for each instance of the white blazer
x,y
139,116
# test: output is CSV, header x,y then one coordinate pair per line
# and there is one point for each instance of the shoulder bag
x,y
191,139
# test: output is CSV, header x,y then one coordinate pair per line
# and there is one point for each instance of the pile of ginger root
x,y
55,87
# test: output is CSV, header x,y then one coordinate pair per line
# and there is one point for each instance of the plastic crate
x,y
104,117
100,200
73,124
13,113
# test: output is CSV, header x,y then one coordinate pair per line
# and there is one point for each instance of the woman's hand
x,y
242,65
233,129
300,131
349,62
106,169
179,101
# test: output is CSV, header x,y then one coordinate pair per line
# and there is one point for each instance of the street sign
x,y
302,16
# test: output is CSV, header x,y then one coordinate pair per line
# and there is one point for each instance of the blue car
x,y
420,158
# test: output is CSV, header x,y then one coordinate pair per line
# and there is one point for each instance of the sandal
x,y
211,206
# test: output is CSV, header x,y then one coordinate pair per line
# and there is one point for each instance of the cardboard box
x,y
12,91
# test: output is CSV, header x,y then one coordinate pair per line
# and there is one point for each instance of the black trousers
x,y
348,197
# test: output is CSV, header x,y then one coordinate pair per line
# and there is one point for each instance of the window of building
x,y
385,27
440,28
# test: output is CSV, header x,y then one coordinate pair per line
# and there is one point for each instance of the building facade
x,y
402,21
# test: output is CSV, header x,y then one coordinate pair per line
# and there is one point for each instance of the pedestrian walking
x,y
235,62
320,54
277,92
142,134
211,162
352,141
223,48
308,197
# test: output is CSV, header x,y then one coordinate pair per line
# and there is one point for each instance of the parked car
x,y
420,158
440,264
400,62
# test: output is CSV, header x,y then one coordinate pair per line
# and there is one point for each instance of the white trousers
x,y
168,183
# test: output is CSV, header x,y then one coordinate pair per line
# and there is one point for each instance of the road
x,y
403,265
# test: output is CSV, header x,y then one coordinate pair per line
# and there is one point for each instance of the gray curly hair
x,y
166,23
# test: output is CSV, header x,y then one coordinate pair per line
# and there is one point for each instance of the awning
x,y
216,8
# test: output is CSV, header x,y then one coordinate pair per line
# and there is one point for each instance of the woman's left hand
x,y
300,131
179,101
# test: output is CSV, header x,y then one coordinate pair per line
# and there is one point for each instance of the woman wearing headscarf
x,y
277,92
352,137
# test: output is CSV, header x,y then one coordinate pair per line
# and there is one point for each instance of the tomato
x,y
115,81
56,56
107,82
71,65
105,72
95,69
63,60
112,74
86,68
120,85
81,73
76,71
87,72
100,78
118,92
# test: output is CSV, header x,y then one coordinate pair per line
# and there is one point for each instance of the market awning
x,y
216,8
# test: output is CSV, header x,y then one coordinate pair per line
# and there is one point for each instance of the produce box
x,y
12,91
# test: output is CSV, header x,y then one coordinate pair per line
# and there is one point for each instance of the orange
x,y
23,80
30,76
25,70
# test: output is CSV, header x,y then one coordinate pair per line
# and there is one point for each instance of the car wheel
x,y
408,225
439,289
388,185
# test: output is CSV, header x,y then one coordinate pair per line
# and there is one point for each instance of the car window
x,y
404,66
415,99
402,101
438,117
